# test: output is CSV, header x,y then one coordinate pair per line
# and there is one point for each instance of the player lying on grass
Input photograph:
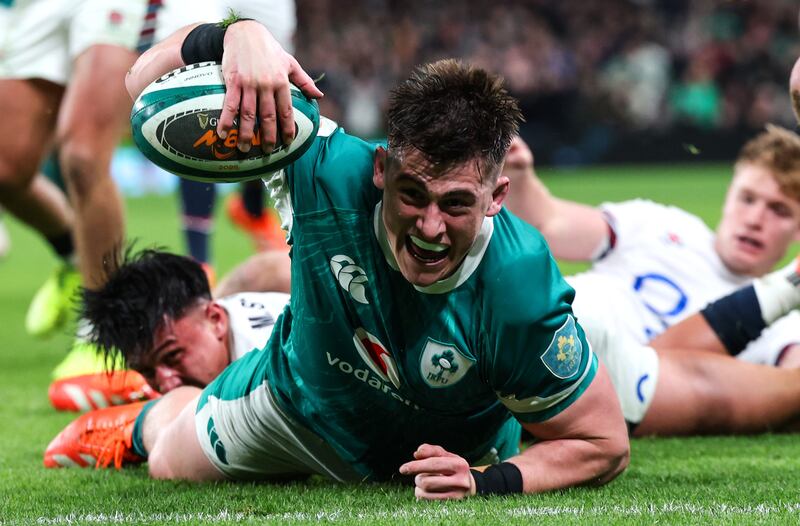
x,y
685,383
267,271
654,265
454,331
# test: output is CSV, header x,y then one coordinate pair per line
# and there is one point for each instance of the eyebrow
x,y
458,193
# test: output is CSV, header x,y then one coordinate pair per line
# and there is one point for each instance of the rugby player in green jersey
x,y
426,324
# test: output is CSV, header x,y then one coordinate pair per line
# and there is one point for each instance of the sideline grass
x,y
683,481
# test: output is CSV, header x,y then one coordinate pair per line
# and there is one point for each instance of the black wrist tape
x,y
205,42
498,479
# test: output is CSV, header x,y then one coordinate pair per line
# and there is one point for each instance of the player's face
x,y
432,218
192,350
758,222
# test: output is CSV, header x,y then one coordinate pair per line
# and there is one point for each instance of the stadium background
x,y
602,82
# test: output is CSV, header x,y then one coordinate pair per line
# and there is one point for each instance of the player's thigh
x,y
177,453
96,106
28,108
678,405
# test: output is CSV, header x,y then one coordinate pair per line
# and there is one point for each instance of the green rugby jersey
x,y
377,366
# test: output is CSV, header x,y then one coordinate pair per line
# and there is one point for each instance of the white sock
x,y
778,293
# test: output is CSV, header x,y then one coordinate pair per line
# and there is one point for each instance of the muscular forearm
x,y
573,230
563,463
794,89
158,60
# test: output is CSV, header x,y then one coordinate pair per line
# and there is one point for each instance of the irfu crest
x,y
442,365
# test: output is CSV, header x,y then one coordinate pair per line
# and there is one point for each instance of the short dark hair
x,y
141,292
452,113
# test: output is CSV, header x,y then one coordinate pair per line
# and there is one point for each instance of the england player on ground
x,y
654,264
426,324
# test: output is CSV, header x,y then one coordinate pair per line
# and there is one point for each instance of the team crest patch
x,y
442,364
563,355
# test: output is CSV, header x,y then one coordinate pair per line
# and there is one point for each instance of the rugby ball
x,y
174,123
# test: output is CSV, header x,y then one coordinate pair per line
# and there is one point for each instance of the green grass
x,y
682,481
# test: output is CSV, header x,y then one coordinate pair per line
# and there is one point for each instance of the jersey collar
x,y
464,271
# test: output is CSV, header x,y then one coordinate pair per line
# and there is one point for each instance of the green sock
x,y
137,440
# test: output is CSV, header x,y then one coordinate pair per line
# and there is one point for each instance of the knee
x,y
16,175
81,166
158,464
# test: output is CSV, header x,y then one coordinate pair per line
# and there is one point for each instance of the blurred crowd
x,y
639,65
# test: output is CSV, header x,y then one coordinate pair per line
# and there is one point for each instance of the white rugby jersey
x,y
663,268
251,317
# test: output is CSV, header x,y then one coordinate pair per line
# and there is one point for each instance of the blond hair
x,y
778,150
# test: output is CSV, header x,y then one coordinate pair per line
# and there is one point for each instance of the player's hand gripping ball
x,y
174,123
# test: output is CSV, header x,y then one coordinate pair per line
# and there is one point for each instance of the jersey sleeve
x,y
335,172
768,348
542,361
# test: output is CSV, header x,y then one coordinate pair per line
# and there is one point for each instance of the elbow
x,y
616,456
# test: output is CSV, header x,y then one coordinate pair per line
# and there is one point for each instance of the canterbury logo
x,y
351,277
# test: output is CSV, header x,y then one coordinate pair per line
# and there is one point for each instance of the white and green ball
x,y
174,124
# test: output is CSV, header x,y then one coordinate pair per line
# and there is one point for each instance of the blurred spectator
x,y
612,64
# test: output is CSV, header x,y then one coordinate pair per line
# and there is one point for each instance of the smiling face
x,y
758,222
432,217
191,350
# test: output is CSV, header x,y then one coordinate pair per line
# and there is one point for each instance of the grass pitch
x,y
682,481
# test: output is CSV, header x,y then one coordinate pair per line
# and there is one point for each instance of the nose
x,y
167,379
754,215
431,224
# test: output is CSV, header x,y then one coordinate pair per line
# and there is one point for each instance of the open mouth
x,y
750,243
424,252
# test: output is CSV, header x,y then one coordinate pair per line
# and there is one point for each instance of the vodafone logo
x,y
375,355
351,277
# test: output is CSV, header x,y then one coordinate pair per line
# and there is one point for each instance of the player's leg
x,y
170,437
44,207
197,207
94,112
707,393
29,108
118,435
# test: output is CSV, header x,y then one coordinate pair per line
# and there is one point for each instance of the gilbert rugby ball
x,y
174,123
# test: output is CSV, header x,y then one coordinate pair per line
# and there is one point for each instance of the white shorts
x,y
632,366
247,436
42,38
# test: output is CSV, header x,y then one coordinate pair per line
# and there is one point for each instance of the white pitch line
x,y
445,512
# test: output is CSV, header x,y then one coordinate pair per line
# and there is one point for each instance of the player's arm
x,y
573,230
794,89
256,69
586,444
263,272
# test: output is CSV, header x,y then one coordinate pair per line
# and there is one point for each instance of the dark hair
x,y
141,292
452,112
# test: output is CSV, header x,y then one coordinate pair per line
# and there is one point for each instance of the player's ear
x,y
499,194
218,317
379,167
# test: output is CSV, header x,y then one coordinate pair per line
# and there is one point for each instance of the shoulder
x,y
520,278
337,168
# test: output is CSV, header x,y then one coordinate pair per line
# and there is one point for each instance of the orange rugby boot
x,y
265,230
98,438
98,390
